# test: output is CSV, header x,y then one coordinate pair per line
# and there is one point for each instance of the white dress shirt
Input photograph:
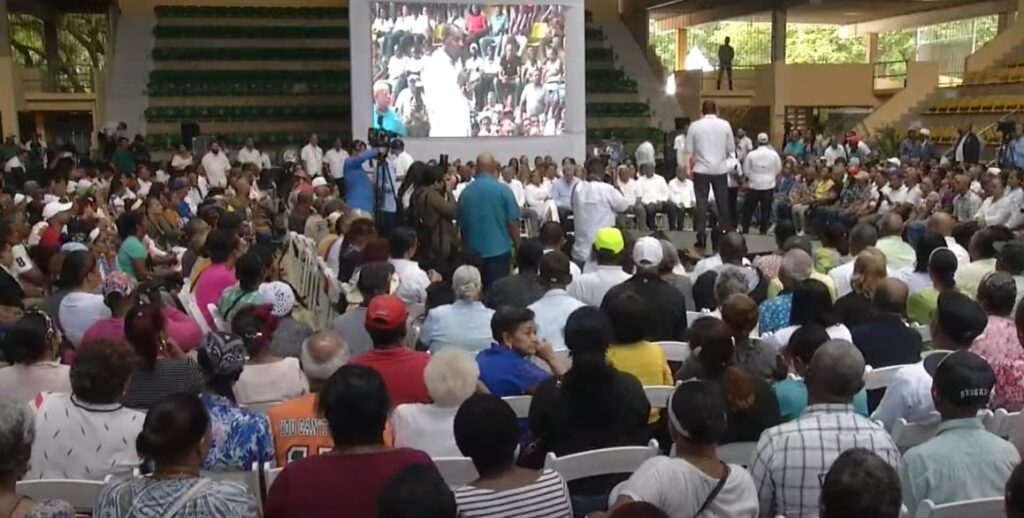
x,y
762,166
743,148
447,107
216,166
313,159
518,191
909,395
651,190
711,140
681,193
402,163
335,159
550,313
628,189
249,156
996,212
412,281
842,274
594,207
832,153
962,257
12,164
590,288
679,144
428,428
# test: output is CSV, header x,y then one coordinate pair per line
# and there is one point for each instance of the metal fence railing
x,y
890,74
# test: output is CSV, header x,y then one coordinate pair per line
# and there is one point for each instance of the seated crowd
x,y
111,375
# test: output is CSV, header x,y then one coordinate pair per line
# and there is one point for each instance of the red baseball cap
x,y
386,312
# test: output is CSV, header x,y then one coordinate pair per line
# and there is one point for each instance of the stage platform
x,y
756,243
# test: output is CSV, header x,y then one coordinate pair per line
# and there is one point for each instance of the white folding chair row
x,y
675,351
907,435
657,395
979,508
81,494
737,452
263,407
218,321
188,301
1002,422
456,471
606,461
520,405
249,478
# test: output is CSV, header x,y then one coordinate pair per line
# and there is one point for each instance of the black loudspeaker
x,y
682,122
189,131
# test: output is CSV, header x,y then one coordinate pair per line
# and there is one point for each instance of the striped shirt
x,y
791,460
167,377
548,497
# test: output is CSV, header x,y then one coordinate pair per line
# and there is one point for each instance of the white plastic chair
x,y
249,479
675,351
658,395
188,301
263,407
737,452
880,378
907,435
81,494
520,405
218,321
1002,422
924,331
978,508
691,316
606,461
456,471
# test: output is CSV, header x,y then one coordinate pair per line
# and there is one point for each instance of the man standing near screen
x,y
710,141
489,219
443,78
384,116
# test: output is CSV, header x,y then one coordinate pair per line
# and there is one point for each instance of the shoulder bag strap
x,y
185,497
714,492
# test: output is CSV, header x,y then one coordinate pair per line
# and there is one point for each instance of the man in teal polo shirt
x,y
489,220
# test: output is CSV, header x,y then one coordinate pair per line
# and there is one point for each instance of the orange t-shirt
x,y
299,432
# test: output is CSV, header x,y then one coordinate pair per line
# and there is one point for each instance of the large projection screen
x,y
557,123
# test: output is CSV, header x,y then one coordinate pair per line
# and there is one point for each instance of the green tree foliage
x,y
82,44
813,43
664,45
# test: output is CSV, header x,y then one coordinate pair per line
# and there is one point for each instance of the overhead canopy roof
x,y
862,15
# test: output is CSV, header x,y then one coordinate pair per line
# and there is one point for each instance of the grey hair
x,y
837,369
466,283
796,265
997,293
322,370
451,376
17,431
731,280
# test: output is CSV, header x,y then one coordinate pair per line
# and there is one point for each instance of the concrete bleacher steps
x,y
277,73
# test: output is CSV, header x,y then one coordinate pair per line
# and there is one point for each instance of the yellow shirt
x,y
775,286
644,360
822,188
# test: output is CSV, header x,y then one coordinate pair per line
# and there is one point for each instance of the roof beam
x,y
923,18
690,15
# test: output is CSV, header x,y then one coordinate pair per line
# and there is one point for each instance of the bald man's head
x,y
485,163
941,223
322,354
836,373
890,296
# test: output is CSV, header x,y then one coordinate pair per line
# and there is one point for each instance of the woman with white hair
x,y
451,376
465,323
17,431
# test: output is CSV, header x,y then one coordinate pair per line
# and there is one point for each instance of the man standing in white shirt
x,y
402,159
594,205
313,156
682,155
743,145
761,166
652,191
216,165
249,154
335,158
711,142
442,78
680,195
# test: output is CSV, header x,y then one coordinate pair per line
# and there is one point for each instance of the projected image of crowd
x,y
465,70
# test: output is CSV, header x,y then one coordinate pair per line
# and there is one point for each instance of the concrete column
x,y
5,30
871,45
779,35
8,88
51,48
681,49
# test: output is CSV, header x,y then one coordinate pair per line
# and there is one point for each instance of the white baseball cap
x,y
647,252
319,181
926,132
762,138
56,207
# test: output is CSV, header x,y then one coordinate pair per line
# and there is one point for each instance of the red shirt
x,y
337,485
50,237
402,370
475,23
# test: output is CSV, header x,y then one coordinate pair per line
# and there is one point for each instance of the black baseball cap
x,y
960,318
961,378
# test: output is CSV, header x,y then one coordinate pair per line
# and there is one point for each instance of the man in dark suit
x,y
967,150
887,339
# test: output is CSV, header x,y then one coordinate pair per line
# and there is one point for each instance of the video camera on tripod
x,y
381,138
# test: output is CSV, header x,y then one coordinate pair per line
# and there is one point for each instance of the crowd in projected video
x,y
468,70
